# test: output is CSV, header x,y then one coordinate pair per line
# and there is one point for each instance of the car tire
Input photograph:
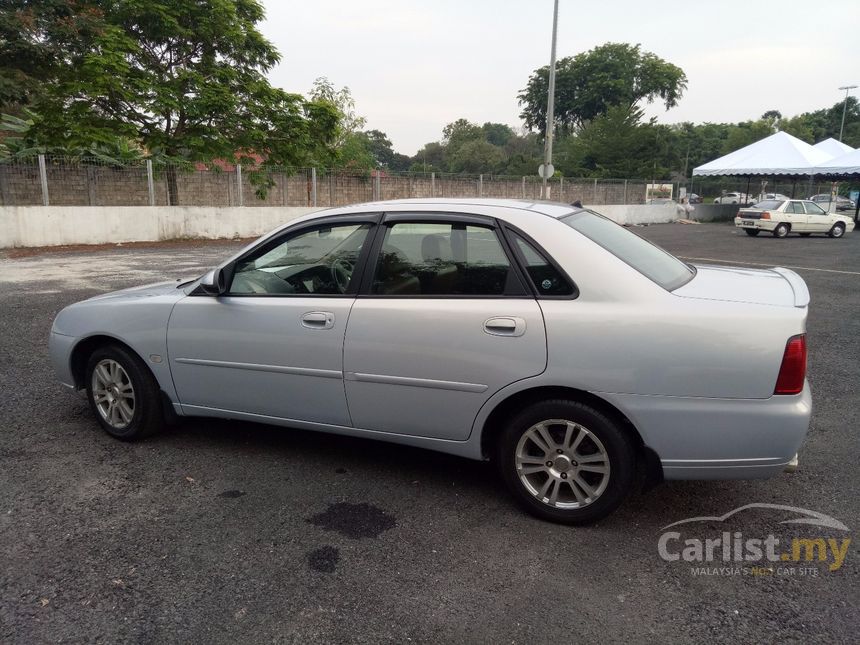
x,y
838,230
553,482
781,230
752,232
123,394
804,234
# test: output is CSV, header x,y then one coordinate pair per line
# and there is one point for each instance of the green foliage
x,y
588,84
616,144
183,79
467,147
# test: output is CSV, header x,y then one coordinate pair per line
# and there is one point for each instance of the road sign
x,y
548,170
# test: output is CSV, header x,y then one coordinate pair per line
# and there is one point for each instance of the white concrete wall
x,y
57,225
638,213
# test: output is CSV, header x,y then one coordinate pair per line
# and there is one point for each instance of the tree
x,y
477,156
349,121
498,134
185,79
36,39
588,84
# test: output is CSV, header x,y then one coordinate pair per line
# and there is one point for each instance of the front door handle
x,y
318,320
505,326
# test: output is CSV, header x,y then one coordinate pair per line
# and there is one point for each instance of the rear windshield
x,y
769,204
648,259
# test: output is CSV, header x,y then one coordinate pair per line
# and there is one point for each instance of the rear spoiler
x,y
801,292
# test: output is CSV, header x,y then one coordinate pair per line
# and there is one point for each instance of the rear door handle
x,y
505,326
318,320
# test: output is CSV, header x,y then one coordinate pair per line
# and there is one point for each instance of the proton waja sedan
x,y
545,338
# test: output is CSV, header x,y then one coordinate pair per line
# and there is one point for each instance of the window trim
x,y
390,219
510,229
321,222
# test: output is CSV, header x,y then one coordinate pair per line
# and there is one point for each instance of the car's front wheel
x,y
123,394
781,230
838,230
566,462
752,232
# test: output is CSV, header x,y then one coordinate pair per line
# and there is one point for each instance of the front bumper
x,y
60,350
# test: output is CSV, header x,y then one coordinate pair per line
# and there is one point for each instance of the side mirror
x,y
213,283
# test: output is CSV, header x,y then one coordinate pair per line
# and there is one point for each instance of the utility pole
x,y
550,109
847,89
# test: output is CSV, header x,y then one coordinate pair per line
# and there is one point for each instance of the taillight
x,y
792,372
765,215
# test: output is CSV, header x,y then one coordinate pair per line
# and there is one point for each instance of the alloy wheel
x,y
113,393
562,464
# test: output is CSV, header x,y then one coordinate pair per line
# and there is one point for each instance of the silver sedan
x,y
545,338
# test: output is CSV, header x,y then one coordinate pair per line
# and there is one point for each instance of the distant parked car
x,y
777,196
734,198
547,338
842,203
781,217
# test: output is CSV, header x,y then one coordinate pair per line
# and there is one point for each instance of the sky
x,y
414,66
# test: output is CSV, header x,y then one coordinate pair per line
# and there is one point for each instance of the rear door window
x,y
443,259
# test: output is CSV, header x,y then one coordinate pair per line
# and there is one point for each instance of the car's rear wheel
x,y
752,232
123,394
838,230
566,462
781,230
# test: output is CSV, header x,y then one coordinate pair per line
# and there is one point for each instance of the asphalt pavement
x,y
228,532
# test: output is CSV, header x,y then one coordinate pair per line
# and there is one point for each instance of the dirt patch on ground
x,y
31,251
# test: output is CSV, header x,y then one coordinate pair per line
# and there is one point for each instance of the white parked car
x,y
734,198
781,217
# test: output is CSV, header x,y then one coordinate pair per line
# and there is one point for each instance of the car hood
x,y
145,291
777,286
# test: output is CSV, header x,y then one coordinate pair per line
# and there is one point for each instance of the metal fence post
x,y
313,186
561,189
239,184
480,185
524,187
624,200
594,193
331,189
43,176
150,184
432,184
378,185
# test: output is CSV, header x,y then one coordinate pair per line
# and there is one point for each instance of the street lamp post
x,y
847,89
550,108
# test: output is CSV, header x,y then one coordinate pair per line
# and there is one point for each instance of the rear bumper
x,y
758,224
699,438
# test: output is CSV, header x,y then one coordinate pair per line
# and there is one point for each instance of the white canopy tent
x,y
847,164
833,147
780,154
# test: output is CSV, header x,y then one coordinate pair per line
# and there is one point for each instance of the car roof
x,y
550,209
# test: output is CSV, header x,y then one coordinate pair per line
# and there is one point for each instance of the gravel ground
x,y
234,532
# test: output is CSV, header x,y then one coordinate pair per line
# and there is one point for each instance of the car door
x,y
273,344
444,320
795,215
818,220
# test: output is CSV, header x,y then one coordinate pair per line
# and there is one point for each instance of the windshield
x,y
769,204
648,259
